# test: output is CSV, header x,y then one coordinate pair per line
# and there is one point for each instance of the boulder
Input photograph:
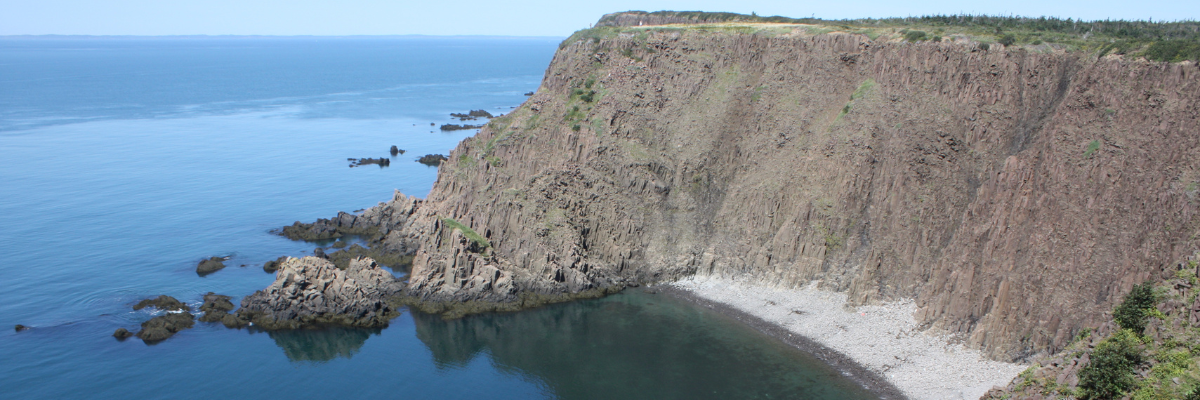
x,y
163,302
21,327
396,150
312,292
212,264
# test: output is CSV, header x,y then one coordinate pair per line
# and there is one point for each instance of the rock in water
x,y
163,302
215,307
396,150
213,264
273,265
21,327
160,328
311,291
122,334
432,160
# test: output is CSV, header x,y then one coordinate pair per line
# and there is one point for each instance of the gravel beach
x,y
881,339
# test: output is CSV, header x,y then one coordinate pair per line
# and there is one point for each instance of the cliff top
x,y
1156,41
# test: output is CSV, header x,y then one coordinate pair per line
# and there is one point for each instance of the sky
x,y
504,18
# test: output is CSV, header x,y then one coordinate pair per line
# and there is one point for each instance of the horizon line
x,y
233,36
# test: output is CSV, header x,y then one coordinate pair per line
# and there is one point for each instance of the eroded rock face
x,y
311,291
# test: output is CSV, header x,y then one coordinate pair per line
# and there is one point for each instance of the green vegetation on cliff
x,y
1156,41
1151,351
471,235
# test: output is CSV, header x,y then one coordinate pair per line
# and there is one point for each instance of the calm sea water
x,y
125,161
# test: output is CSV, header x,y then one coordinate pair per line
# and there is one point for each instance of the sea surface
x,y
124,161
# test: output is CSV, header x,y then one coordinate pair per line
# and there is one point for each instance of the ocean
x,y
124,161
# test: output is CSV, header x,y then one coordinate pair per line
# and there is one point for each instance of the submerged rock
x,y
212,264
160,328
215,307
162,302
312,292
122,334
273,265
432,160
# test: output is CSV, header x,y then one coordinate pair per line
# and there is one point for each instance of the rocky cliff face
x,y
1014,194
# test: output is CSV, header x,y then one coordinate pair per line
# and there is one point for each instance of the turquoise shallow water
x,y
125,161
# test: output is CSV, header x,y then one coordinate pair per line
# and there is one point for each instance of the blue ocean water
x,y
125,161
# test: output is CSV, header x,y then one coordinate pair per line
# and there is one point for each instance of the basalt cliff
x,y
1014,192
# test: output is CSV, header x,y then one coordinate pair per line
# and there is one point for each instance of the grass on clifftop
x,y
1156,41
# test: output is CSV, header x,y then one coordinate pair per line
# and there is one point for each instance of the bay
x,y
124,161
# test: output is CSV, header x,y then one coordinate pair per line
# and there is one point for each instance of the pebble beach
x,y
882,339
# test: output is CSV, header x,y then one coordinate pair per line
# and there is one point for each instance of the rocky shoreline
x,y
880,346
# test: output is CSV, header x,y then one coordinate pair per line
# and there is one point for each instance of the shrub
x,y
914,36
1110,370
1132,312
1007,40
985,46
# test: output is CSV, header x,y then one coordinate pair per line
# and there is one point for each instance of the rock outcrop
x,y
157,329
273,265
122,334
312,292
996,188
162,302
381,161
162,327
432,160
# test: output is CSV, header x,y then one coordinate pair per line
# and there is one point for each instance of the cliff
x,y
1014,192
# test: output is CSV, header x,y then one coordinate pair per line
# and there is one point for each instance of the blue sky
x,y
514,18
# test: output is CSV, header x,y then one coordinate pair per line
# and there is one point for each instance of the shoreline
x,y
877,346
863,376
